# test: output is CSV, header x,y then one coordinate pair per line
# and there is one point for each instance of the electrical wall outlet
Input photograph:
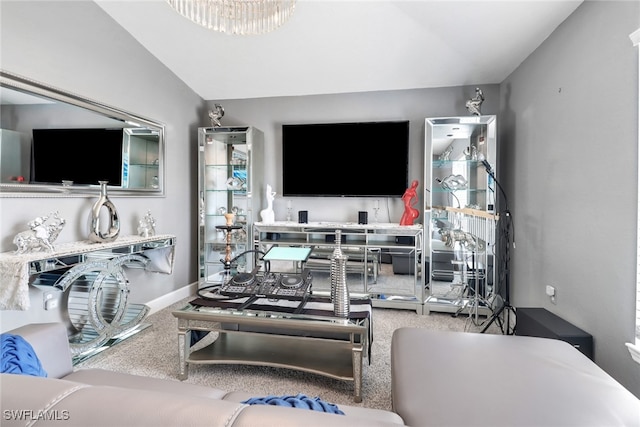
x,y
51,299
551,292
51,304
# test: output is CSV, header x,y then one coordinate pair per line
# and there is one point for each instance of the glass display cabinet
x,y
141,159
229,173
459,213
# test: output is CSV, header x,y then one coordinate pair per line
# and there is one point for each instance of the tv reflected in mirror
x,y
77,156
26,105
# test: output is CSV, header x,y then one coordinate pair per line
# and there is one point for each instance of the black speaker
x,y
303,217
538,322
405,240
363,217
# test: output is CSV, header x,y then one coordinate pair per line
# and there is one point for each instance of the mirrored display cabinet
x,y
229,178
460,213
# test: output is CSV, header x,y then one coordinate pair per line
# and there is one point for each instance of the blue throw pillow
x,y
18,357
300,401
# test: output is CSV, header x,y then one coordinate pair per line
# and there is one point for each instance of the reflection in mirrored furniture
x,y
459,213
55,143
229,176
86,284
383,260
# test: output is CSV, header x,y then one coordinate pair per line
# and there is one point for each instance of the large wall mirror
x,y
54,143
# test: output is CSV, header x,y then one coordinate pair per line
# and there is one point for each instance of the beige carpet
x,y
154,353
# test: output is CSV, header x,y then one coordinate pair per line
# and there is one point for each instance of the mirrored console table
x,y
87,282
384,260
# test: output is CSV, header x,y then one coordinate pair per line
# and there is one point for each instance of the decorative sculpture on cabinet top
x,y
44,230
474,104
410,198
215,115
267,214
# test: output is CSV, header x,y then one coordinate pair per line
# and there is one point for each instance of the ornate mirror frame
x,y
116,118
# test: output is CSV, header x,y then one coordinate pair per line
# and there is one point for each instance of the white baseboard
x,y
172,297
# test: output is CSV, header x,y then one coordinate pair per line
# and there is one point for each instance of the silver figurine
x,y
474,104
453,182
147,226
466,239
215,115
43,231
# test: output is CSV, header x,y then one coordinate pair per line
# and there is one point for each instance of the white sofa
x,y
444,378
96,397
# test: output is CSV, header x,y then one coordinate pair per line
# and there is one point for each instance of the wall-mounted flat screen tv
x,y
362,159
83,156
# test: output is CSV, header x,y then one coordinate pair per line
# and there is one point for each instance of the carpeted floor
x,y
154,353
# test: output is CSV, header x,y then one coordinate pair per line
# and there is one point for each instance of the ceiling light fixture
x,y
243,17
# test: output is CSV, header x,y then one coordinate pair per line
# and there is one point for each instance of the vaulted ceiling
x,y
333,46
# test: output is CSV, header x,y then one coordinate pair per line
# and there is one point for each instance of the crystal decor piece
x,y
339,289
236,16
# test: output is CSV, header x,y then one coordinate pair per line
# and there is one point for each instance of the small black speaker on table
x,y
303,217
363,217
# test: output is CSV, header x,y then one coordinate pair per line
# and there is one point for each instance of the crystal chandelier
x,y
236,16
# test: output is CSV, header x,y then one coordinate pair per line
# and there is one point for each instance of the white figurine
x,y
41,235
267,214
147,226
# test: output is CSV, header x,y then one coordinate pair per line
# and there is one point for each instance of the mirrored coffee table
x,y
300,335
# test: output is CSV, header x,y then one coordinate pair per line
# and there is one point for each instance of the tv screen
x,y
84,156
364,159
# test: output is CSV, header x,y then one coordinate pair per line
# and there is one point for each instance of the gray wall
x,y
568,119
569,145
77,47
268,114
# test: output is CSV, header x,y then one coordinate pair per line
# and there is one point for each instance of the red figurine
x,y
410,198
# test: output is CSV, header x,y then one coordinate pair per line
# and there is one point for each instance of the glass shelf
x,y
449,163
235,167
468,190
226,190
